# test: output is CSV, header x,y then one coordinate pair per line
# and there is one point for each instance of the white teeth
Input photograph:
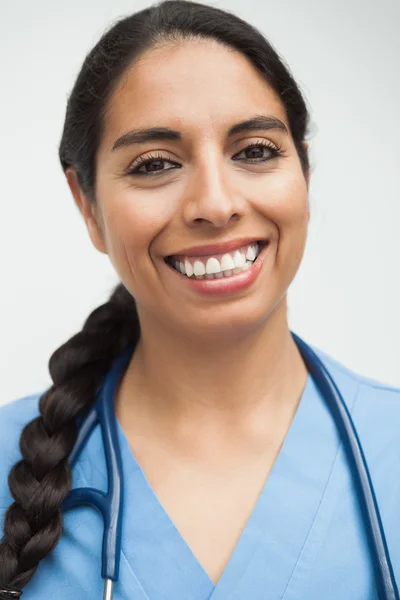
x,y
199,268
213,266
239,259
177,265
228,265
188,268
251,253
227,262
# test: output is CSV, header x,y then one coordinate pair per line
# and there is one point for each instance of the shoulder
x,y
368,390
13,418
374,407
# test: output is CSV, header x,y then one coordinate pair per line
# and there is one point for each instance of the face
x,y
205,186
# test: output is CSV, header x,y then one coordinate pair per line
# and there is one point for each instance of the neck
x,y
171,379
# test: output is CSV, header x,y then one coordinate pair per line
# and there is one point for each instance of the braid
x,y
42,479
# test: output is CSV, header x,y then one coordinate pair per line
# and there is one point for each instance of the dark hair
x,y
42,479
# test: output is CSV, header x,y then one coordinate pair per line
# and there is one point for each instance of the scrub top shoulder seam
x,y
354,375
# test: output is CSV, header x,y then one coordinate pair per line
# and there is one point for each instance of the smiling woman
x,y
184,147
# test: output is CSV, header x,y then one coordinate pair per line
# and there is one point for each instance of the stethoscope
x,y
110,503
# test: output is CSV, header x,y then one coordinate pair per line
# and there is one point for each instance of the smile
x,y
224,281
217,266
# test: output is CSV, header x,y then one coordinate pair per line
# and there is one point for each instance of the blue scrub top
x,y
304,540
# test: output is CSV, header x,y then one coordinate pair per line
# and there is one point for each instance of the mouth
x,y
218,266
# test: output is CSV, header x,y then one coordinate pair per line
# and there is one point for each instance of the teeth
x,y
239,259
213,266
225,273
251,254
199,268
227,262
229,265
188,269
177,266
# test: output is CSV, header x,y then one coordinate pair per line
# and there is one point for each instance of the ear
x,y
87,209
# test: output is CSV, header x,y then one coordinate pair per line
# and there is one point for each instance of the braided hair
x,y
41,480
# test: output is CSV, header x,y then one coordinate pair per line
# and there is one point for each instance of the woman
x,y
184,149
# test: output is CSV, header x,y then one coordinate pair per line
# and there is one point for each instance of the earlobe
x,y
87,210
95,233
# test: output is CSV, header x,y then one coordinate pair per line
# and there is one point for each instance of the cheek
x,y
285,204
135,220
284,199
132,222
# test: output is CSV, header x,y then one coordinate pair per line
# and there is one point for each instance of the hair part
x,y
41,480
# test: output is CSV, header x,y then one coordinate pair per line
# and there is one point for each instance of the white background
x,y
345,298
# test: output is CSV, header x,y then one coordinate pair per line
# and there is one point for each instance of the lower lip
x,y
226,285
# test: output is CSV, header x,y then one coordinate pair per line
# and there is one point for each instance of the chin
x,y
228,320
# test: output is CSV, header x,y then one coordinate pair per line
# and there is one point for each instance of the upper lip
x,y
218,248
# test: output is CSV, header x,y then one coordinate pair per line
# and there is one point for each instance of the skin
x,y
214,383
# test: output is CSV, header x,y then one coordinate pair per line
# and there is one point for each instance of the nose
x,y
212,197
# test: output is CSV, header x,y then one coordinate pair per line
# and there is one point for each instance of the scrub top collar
x,y
271,548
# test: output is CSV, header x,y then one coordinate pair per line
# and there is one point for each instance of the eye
x,y
152,164
258,154
154,161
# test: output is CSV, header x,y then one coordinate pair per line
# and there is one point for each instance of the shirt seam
x,y
359,378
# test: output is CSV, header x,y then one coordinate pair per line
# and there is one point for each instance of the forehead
x,y
198,87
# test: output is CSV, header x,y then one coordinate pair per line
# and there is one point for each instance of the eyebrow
x,y
139,136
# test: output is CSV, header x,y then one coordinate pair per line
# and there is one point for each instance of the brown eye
x,y
149,165
255,152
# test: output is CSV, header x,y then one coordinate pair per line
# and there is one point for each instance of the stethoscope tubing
x,y
110,505
385,579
